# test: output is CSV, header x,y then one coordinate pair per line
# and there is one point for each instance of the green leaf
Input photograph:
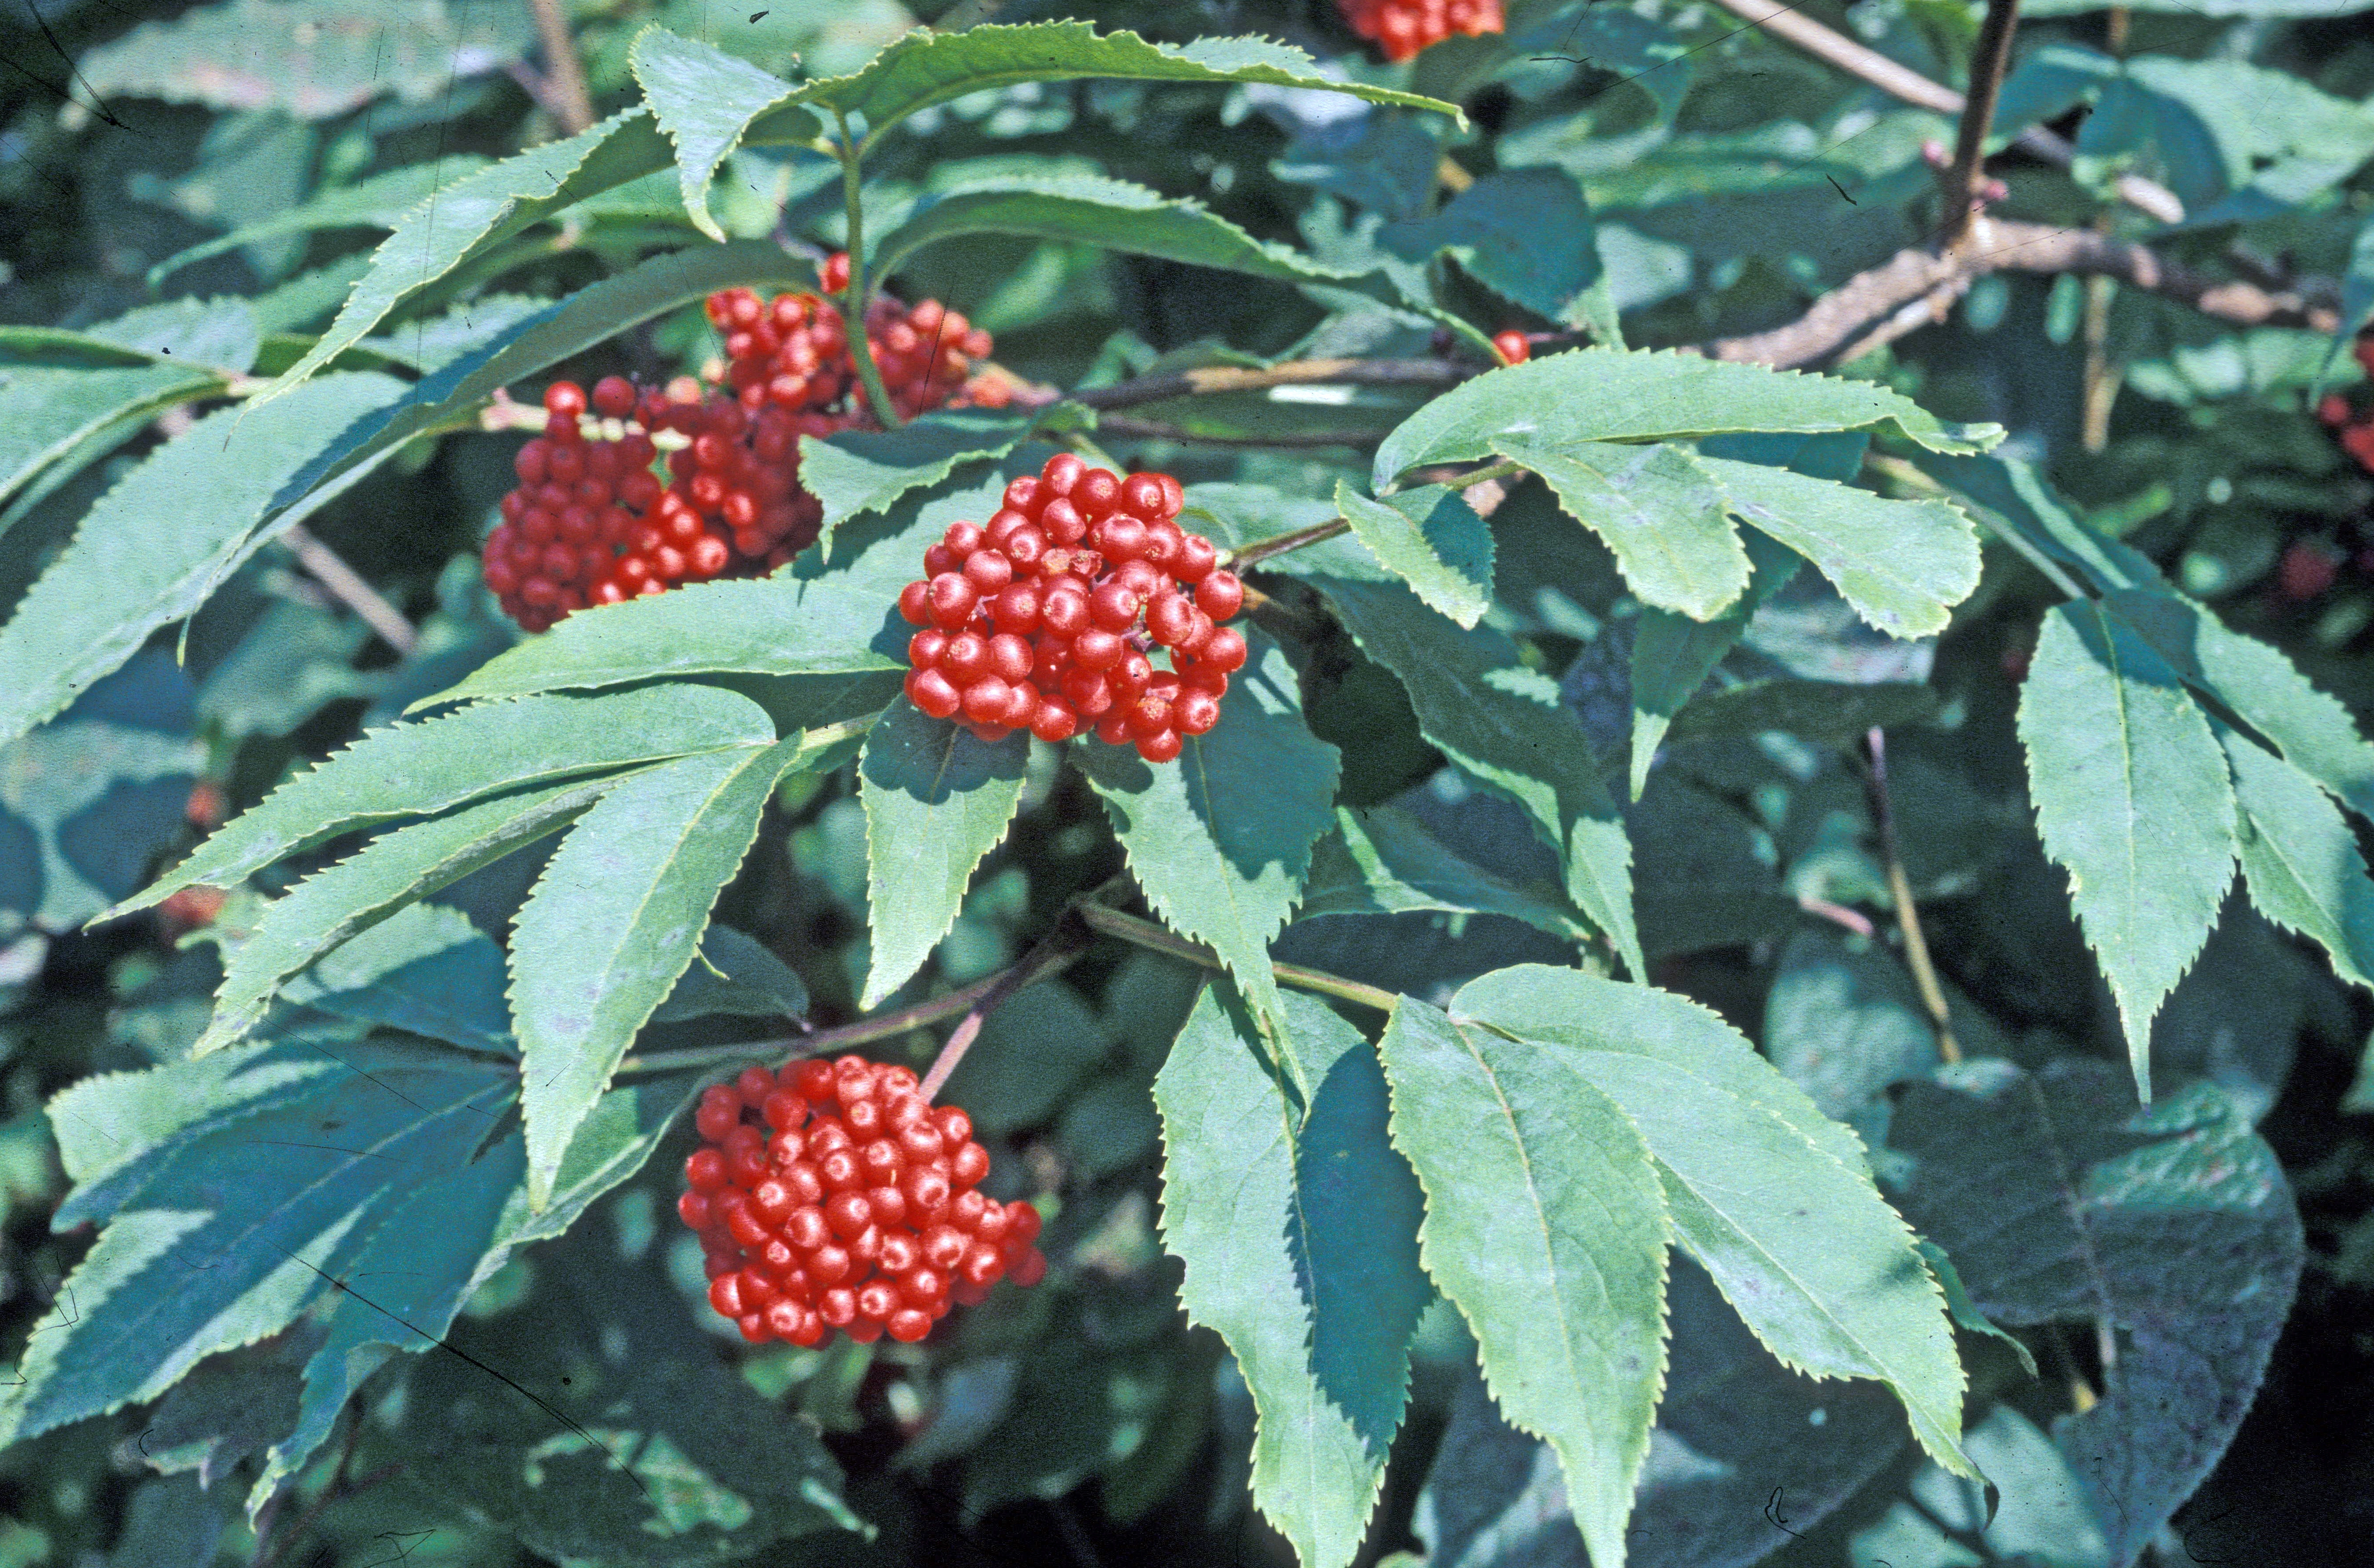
x,y
379,202
1672,655
1658,508
1088,209
1382,862
593,314
1608,394
2313,730
1545,1226
616,920
231,1210
50,403
2300,859
1432,539
1830,712
1902,565
85,804
2170,1228
737,976
2357,298
472,215
926,67
426,970
1770,1197
347,52
1501,722
1030,1054
146,556
2133,799
1523,233
936,799
705,99
864,471
1219,839
390,872
1297,1224
419,769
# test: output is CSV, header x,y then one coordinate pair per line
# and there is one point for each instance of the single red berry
x,y
566,399
1512,346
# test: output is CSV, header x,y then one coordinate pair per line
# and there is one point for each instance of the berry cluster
x,y
2354,429
1401,28
1045,618
591,523
848,1204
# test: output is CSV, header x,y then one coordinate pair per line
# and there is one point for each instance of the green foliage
x,y
362,959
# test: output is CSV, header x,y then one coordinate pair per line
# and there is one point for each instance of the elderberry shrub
x,y
829,1196
1048,616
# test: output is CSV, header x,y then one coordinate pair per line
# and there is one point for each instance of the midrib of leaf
x,y
2127,777
1200,791
2065,1181
684,832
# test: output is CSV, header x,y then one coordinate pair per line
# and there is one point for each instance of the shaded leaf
x,y
1672,655
1382,862
613,922
1297,1224
2171,1227
2133,799
426,970
864,471
737,976
1607,394
1431,539
1524,233
144,555
378,202
409,770
2300,859
936,799
51,404
1844,1022
1830,712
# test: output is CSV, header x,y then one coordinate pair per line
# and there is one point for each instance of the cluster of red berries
x,y
1046,617
1401,28
2354,429
591,523
849,1204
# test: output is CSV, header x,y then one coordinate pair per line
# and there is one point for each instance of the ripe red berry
x,y
1512,346
564,398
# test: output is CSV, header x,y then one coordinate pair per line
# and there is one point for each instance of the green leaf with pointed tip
x,y
1612,394
936,799
1902,565
1774,1199
1382,862
705,99
927,67
51,402
2312,729
1658,508
864,471
2300,859
1219,839
389,872
475,213
2134,801
1672,655
426,970
232,1207
1545,1226
1297,1224
616,920
145,555
409,770
1830,712
1498,720
1432,539
1112,215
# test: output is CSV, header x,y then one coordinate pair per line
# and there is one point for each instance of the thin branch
x,y
1146,934
1989,60
564,98
1910,86
1905,291
345,584
1211,378
1157,430
861,283
1908,916
1911,477
1062,943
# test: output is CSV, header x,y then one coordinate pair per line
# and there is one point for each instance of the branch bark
x,y
1917,286
1213,378
1989,60
564,74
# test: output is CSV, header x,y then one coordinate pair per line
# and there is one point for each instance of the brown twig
x,y
564,96
1989,60
346,585
1062,943
1915,286
1907,917
1910,86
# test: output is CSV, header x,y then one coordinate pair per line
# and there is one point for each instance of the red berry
x,y
1512,346
564,398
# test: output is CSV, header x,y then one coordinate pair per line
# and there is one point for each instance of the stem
x,y
1990,59
1208,380
861,288
1157,430
882,1027
564,74
1907,918
1062,943
1253,553
345,584
1148,935
1912,478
